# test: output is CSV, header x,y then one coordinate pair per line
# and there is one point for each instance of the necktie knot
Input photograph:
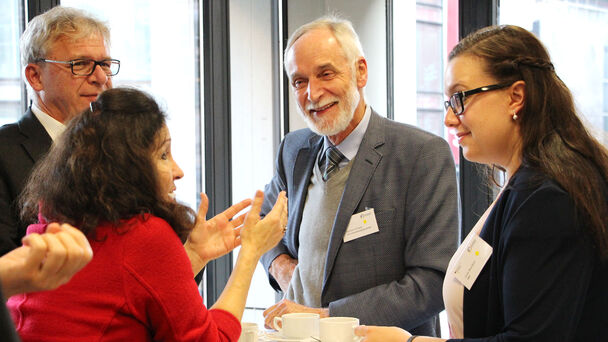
x,y
329,161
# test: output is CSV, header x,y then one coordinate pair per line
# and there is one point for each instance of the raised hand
x,y
210,239
259,236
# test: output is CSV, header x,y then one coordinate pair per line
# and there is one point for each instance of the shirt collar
x,y
53,127
350,145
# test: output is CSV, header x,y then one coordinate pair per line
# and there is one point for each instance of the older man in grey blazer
x,y
373,208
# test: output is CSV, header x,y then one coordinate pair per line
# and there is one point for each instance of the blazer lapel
x,y
305,161
37,141
366,161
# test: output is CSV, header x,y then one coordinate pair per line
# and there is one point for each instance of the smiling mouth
x,y
322,109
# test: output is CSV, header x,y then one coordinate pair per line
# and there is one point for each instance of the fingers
x,y
237,222
37,251
280,206
79,238
55,256
201,215
258,200
77,255
254,213
361,330
236,208
269,315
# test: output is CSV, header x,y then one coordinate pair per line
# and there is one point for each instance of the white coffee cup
x,y
249,332
338,329
297,325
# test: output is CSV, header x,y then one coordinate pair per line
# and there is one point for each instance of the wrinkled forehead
x,y
79,46
314,49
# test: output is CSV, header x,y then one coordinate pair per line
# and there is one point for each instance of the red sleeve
x,y
161,292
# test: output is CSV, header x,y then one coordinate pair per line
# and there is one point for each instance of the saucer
x,y
275,336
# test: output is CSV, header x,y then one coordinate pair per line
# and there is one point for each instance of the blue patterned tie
x,y
330,162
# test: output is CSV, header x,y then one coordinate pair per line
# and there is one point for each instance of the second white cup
x,y
338,329
297,325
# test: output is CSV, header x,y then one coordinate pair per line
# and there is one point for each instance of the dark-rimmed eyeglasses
x,y
86,67
456,101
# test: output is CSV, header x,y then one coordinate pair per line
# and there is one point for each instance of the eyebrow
x,y
316,70
451,90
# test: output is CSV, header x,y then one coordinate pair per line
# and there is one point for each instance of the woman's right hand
x,y
259,236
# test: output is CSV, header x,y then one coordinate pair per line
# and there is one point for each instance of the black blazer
x,y
543,281
21,144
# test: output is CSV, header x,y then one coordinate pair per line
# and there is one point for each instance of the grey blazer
x,y
394,276
22,144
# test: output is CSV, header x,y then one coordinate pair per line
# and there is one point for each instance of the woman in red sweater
x,y
112,175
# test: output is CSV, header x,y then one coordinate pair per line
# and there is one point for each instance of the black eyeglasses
x,y
456,101
86,67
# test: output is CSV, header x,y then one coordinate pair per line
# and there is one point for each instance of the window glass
x,y
577,49
424,33
10,76
252,110
153,60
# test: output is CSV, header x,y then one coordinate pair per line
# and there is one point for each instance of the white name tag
x,y
471,261
361,224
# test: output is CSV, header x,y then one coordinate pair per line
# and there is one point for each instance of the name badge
x,y
471,261
361,224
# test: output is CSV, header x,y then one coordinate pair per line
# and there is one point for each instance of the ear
x,y
517,97
33,75
361,69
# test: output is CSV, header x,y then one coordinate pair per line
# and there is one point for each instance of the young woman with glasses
x,y
535,266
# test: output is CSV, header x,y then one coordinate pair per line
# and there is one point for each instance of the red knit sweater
x,y
138,287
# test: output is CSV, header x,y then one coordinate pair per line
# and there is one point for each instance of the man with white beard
x,y
373,203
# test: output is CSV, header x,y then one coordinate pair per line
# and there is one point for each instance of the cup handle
x,y
276,325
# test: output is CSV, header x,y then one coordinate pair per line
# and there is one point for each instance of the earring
x,y
515,116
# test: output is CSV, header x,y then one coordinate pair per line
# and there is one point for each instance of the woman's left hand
x,y
381,334
211,239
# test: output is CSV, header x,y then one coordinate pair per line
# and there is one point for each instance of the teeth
x,y
322,108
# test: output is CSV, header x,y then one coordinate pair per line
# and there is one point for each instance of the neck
x,y
357,117
48,111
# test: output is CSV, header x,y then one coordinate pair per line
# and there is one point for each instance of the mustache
x,y
319,105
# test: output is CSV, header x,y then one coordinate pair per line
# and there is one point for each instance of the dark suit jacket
x,y
394,276
21,145
543,281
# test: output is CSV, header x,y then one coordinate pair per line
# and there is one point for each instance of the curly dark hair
x,y
101,168
554,139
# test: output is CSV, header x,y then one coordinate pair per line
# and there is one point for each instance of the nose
x,y
315,91
98,76
450,119
177,171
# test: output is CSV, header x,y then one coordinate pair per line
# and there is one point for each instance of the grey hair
x,y
58,22
342,30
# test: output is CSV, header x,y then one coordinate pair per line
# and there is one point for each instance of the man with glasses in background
x,y
65,54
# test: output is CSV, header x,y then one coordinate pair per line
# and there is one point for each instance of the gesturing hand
x,y
210,239
259,236
45,261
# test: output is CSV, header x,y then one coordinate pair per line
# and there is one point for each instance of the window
x,y
153,60
252,110
11,85
581,71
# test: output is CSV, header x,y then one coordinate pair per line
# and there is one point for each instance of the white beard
x,y
333,125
